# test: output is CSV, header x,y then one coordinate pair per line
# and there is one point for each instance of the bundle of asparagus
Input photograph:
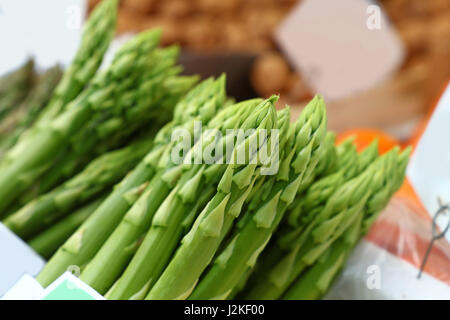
x,y
314,283
224,187
22,165
332,224
116,103
267,206
139,254
199,105
116,176
107,131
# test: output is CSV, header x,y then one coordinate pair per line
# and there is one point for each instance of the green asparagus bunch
x,y
21,119
306,248
315,282
47,242
202,241
200,104
115,252
108,131
72,160
170,201
14,87
303,151
274,216
98,176
344,207
119,89
307,205
174,88
311,197
97,34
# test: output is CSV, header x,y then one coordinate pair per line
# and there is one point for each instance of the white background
x,y
44,29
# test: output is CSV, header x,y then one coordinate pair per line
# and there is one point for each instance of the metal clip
x,y
443,208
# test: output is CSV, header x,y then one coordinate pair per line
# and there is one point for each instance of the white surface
x,y
17,259
398,279
49,30
27,288
429,168
330,43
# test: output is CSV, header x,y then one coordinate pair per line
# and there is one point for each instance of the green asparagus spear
x,y
200,104
47,242
97,34
121,88
101,174
255,232
14,87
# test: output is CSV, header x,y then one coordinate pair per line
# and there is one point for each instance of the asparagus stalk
x,y
97,34
200,104
20,120
162,238
14,87
250,239
200,244
47,242
100,175
121,87
341,211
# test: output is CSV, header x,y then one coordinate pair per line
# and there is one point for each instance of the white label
x,y
340,47
17,259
